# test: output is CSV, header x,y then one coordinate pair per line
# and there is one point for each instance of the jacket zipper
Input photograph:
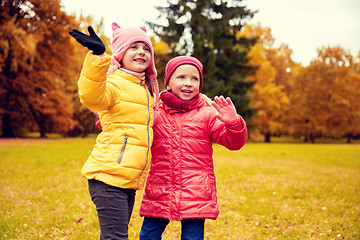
x,y
148,136
122,149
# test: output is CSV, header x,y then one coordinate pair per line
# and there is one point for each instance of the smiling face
x,y
137,58
185,82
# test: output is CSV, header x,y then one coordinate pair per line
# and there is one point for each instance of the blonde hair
x,y
206,98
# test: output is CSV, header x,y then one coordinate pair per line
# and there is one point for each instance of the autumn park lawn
x,y
265,191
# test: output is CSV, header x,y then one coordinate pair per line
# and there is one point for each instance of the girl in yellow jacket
x,y
121,89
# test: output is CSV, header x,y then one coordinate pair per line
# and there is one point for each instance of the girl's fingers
x,y
217,100
216,106
220,100
229,102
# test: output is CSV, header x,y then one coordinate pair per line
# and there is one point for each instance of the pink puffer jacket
x,y
181,182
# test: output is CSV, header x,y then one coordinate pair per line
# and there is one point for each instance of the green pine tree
x,y
207,30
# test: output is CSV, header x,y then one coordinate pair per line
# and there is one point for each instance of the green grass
x,y
265,191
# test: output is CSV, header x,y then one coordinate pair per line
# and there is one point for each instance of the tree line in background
x,y
40,64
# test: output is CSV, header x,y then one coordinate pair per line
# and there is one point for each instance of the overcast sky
x,y
305,25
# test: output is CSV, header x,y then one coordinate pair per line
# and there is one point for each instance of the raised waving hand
x,y
226,110
92,41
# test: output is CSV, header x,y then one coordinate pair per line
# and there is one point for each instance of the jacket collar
x,y
129,77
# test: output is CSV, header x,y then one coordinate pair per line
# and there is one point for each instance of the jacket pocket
x,y
196,186
122,150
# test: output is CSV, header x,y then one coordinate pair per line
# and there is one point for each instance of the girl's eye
x,y
181,77
195,79
147,49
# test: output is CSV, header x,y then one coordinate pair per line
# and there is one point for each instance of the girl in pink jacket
x,y
181,184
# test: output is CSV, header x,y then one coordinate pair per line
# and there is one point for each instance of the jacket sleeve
x,y
232,137
92,87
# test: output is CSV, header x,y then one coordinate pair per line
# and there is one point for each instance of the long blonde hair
x,y
206,98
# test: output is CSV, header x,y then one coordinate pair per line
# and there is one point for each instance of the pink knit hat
x,y
122,40
181,60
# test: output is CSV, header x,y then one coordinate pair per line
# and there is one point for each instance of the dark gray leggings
x,y
114,207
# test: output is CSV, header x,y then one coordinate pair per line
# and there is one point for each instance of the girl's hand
x,y
226,110
92,41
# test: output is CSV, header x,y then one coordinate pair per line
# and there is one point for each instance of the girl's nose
x,y
141,51
188,82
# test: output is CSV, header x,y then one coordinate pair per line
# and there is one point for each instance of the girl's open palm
x,y
226,110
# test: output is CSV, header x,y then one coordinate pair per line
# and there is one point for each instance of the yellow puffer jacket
x,y
121,155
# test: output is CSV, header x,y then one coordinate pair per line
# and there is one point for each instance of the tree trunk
x,y
7,131
267,137
42,132
312,138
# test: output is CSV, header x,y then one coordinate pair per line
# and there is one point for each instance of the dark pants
x,y
153,228
114,207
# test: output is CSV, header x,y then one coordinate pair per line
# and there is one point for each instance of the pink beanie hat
x,y
181,60
122,40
